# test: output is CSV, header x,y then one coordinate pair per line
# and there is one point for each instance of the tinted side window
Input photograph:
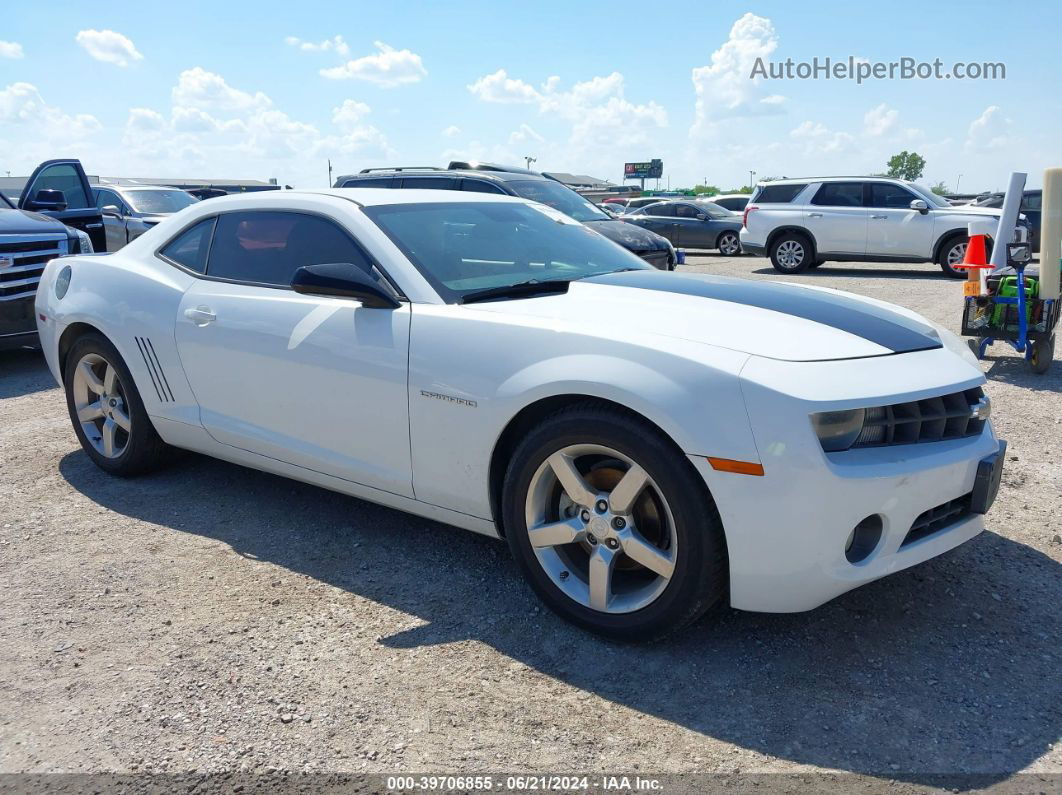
x,y
884,195
105,197
661,210
62,177
1032,201
687,211
779,194
191,246
480,186
268,247
840,194
369,182
430,183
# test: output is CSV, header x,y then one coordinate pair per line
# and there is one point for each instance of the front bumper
x,y
660,259
18,324
787,531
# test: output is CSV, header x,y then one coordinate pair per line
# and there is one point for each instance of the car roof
x,y
809,180
492,176
365,197
123,188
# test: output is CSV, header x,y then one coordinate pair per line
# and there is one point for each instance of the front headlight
x,y
85,242
838,430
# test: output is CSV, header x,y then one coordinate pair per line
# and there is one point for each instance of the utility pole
x,y
957,183
330,172
530,160
752,178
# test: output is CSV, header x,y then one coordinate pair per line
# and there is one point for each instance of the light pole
x,y
957,183
752,178
530,160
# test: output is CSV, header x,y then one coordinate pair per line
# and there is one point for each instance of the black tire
x,y
144,450
792,252
816,264
1043,353
731,242
955,243
699,581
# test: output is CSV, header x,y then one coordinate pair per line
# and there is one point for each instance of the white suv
x,y
801,223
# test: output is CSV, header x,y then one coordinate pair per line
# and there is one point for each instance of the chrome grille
x,y
952,416
22,261
658,259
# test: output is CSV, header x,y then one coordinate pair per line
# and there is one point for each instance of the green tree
x,y
710,190
940,188
906,165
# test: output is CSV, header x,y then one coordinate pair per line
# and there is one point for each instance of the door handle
x,y
814,215
200,315
879,217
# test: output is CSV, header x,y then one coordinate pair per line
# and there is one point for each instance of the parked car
x,y
613,210
691,224
489,178
651,445
734,202
645,201
129,211
801,223
1030,208
28,241
60,190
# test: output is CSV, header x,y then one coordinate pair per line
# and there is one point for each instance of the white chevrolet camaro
x,y
650,444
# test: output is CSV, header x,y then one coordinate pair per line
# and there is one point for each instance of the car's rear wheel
x,y
951,255
612,526
791,253
106,410
729,244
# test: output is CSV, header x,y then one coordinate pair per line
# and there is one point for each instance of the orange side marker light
x,y
737,467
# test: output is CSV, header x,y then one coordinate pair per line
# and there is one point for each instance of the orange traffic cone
x,y
974,261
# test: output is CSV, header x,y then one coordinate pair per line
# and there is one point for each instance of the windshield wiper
x,y
530,287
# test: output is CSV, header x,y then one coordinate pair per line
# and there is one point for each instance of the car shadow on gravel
x,y
23,372
1010,367
948,669
916,271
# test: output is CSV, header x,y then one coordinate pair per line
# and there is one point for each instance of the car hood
x,y
969,209
769,319
630,236
21,222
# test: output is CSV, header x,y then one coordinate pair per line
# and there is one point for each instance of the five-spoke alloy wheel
x,y
106,410
612,525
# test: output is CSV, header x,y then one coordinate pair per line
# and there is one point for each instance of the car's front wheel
x,y
106,410
791,253
951,255
729,244
612,526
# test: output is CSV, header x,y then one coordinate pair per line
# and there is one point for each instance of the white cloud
x,y
451,131
817,138
108,46
350,113
499,87
725,88
22,104
525,134
198,88
990,130
10,49
334,44
880,120
387,68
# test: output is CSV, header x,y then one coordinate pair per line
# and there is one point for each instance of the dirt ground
x,y
213,618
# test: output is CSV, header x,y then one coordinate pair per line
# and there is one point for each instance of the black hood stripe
x,y
889,330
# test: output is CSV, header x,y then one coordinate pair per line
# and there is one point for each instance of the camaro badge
x,y
449,398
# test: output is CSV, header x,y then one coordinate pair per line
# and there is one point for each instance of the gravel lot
x,y
214,618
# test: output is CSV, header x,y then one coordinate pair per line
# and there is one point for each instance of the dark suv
x,y
54,217
651,247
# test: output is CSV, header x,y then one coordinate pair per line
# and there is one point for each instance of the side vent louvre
x,y
154,367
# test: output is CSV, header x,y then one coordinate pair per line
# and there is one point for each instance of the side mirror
x,y
702,217
343,280
920,205
48,199
112,211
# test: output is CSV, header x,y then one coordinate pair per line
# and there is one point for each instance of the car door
x,y
80,209
691,227
659,218
319,382
893,228
837,218
115,221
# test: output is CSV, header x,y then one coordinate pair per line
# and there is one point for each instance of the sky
x,y
253,90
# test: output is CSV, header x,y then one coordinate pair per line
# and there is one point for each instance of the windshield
x,y
933,199
559,197
157,202
461,248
